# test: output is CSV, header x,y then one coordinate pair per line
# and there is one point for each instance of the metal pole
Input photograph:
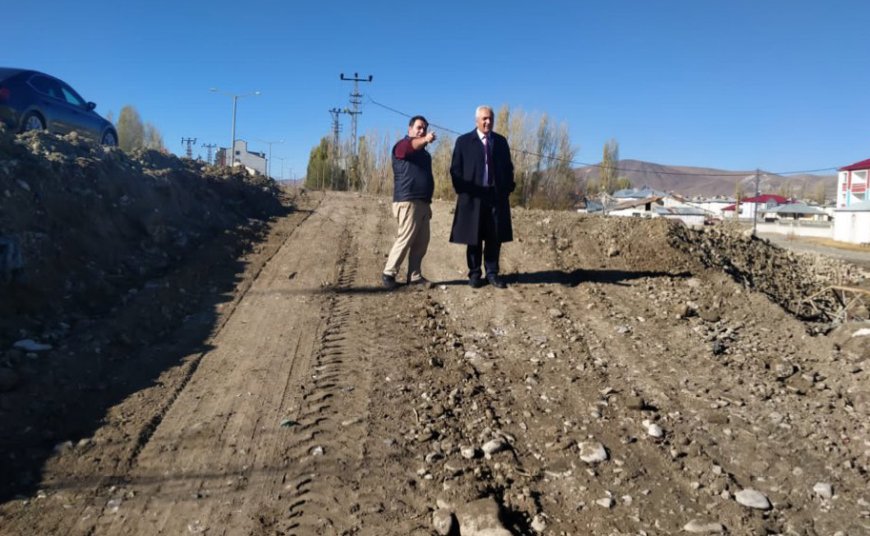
x,y
233,142
755,212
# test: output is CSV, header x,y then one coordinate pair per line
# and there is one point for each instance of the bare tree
x,y
131,131
152,139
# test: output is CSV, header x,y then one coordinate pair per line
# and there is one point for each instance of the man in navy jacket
x,y
412,198
483,178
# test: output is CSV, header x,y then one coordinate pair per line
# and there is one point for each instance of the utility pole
x,y
189,142
269,161
755,212
355,101
336,128
209,147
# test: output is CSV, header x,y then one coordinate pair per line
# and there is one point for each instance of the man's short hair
x,y
415,118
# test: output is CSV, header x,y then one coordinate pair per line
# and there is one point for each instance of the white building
x,y
852,223
852,215
852,183
253,162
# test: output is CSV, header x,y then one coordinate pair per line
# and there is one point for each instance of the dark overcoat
x,y
466,172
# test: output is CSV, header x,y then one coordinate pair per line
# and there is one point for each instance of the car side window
x,y
46,86
71,96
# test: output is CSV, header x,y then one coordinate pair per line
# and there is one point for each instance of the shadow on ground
x,y
117,350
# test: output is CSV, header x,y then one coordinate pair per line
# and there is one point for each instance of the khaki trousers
x,y
412,238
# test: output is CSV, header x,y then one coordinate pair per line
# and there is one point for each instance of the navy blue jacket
x,y
412,173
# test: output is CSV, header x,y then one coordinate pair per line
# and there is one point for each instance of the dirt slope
x,y
306,400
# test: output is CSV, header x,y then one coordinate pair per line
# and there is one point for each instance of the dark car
x,y
30,100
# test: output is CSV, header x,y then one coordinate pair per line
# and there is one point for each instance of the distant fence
x,y
818,229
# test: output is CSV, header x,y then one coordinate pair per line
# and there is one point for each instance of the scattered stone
x,y
481,518
442,521
592,451
494,445
606,502
653,429
824,490
697,527
752,499
555,313
468,452
539,524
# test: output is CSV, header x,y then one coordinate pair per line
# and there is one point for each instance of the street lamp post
x,y
236,97
282,166
269,162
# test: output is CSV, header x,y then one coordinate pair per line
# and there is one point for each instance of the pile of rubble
x,y
82,225
795,281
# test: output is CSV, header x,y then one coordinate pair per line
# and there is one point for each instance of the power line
x,y
586,164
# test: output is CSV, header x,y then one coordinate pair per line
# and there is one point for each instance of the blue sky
x,y
737,84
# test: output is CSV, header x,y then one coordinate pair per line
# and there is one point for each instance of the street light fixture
x,y
269,162
235,97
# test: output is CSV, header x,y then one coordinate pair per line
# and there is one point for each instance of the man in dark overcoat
x,y
483,178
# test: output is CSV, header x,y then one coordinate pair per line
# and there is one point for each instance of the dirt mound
x,y
794,281
82,226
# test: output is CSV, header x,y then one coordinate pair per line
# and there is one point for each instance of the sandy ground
x,y
618,386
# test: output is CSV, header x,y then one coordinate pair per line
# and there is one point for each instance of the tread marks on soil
x,y
322,496
147,431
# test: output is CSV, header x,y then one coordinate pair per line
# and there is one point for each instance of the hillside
x,y
708,182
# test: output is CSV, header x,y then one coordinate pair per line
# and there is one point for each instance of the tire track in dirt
x,y
215,462
329,426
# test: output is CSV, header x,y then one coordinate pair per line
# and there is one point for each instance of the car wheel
x,y
109,138
32,121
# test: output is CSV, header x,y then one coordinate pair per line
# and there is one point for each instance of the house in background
x,y
794,211
714,205
751,206
252,161
852,184
852,215
661,206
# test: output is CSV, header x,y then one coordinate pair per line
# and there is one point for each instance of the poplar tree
x,y
131,131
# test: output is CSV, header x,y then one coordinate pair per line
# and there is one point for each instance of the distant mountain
x,y
709,182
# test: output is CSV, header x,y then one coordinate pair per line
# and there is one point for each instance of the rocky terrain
x,y
208,355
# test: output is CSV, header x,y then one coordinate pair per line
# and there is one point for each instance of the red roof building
x,y
768,200
852,184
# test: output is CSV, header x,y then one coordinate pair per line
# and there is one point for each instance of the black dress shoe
x,y
422,282
389,281
475,282
496,281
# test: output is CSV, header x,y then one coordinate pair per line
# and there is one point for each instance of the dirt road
x,y
616,387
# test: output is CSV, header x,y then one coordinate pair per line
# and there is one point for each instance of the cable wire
x,y
586,164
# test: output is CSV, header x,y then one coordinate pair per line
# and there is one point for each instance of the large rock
x,y
481,518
